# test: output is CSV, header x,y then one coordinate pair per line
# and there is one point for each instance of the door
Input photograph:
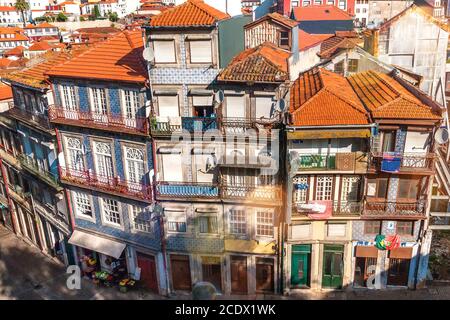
x,y
99,108
148,271
211,271
300,261
239,275
398,272
131,105
135,168
333,266
181,272
69,102
104,162
264,275
364,268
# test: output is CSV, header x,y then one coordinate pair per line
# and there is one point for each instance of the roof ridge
x,y
354,106
195,2
387,84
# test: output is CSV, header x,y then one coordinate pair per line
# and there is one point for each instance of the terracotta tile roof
x,y
307,40
17,51
41,25
118,58
264,63
5,63
40,46
98,30
193,13
289,23
333,45
5,92
320,13
320,98
387,98
7,8
34,76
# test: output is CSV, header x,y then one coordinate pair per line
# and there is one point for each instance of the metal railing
x,y
186,189
25,114
251,192
403,161
339,208
33,166
109,120
109,184
190,124
393,208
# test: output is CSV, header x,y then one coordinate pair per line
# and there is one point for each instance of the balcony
x,y
169,190
107,122
339,209
240,125
29,116
115,185
189,124
33,167
392,209
349,162
268,193
409,163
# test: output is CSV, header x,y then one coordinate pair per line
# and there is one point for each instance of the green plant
x,y
96,11
113,17
61,17
22,6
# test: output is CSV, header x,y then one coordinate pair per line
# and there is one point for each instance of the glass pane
x,y
337,263
328,256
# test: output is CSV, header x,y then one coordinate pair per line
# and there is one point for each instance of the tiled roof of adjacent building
x,y
386,98
119,58
307,40
344,40
320,13
264,63
41,25
40,46
289,23
17,51
5,92
192,13
321,97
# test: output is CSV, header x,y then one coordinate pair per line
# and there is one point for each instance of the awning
x,y
85,240
366,252
401,253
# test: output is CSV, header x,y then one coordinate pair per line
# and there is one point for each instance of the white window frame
x,y
215,224
68,97
131,103
324,188
159,59
72,153
194,58
140,225
241,220
106,221
78,213
98,100
131,177
262,222
101,162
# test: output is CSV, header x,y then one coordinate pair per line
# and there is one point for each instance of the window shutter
x,y
168,106
172,167
201,51
263,107
336,230
301,231
235,107
164,51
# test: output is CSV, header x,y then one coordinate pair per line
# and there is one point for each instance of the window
x,y
350,188
284,38
131,103
134,161
324,187
405,228
339,68
141,219
168,106
83,204
69,98
408,188
75,147
103,160
200,51
306,3
372,227
207,224
164,51
377,187
352,65
301,189
176,220
389,141
238,222
176,226
98,100
111,211
336,229
342,4
264,223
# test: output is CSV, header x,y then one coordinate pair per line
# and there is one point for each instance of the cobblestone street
x,y
23,268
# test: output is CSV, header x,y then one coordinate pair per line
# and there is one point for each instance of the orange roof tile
x,y
17,51
41,25
320,13
192,13
320,98
264,63
7,8
118,58
307,40
387,98
275,17
5,92
334,44
40,46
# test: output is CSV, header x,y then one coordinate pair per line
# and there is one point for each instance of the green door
x,y
300,258
333,266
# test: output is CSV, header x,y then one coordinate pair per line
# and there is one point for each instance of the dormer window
x,y
284,39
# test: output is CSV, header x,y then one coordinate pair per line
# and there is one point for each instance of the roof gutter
x,y
357,126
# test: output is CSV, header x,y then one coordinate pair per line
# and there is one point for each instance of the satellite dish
x,y
441,136
148,54
280,105
219,96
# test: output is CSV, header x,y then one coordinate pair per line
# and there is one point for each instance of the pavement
x,y
27,274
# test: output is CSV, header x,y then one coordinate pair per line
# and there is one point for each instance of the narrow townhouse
x,y
358,201
184,61
255,85
106,159
38,199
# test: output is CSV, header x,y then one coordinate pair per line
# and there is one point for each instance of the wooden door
x,y
300,269
148,271
181,272
264,275
333,266
398,272
239,275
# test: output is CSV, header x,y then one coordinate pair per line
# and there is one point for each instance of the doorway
x,y
398,272
300,265
239,274
147,265
181,272
265,275
333,266
211,271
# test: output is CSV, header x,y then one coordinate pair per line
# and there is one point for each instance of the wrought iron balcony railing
x,y
339,208
251,192
28,115
190,124
107,184
165,189
38,169
401,162
380,209
348,161
108,121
